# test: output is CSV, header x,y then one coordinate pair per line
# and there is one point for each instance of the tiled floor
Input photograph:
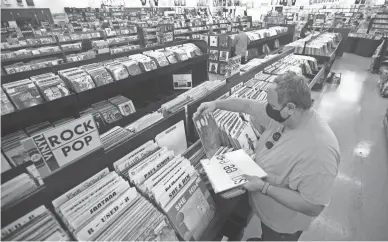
x,y
354,110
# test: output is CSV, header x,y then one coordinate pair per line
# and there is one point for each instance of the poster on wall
x,y
30,2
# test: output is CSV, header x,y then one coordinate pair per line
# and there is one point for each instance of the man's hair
x,y
293,88
240,27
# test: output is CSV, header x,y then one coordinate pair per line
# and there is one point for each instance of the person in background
x,y
298,151
354,27
240,43
306,30
341,24
364,23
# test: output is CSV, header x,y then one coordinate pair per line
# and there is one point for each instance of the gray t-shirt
x,y
305,159
241,41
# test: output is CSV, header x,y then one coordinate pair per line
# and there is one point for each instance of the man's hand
x,y
254,184
205,108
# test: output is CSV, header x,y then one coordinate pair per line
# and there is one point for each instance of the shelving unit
x,y
139,88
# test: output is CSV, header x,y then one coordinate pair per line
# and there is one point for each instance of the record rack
x,y
228,211
143,88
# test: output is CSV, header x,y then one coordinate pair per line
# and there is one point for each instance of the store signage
x,y
64,144
182,81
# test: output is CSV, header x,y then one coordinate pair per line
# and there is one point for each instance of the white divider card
x,y
64,144
226,171
182,81
173,138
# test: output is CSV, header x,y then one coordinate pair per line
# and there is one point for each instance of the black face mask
x,y
275,114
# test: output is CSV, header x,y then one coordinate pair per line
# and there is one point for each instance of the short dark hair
x,y
240,27
293,88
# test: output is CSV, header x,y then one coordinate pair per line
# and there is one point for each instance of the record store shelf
x,y
76,172
159,79
99,58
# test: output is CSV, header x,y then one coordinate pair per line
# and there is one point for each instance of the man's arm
x,y
292,200
237,105
285,196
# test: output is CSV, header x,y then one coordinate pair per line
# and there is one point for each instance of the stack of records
x,y
6,105
145,62
144,122
167,180
170,56
158,57
71,47
23,93
37,225
104,207
13,148
51,86
251,65
226,172
117,70
124,48
109,112
132,66
20,186
77,79
98,119
124,104
115,137
98,73
38,128
227,129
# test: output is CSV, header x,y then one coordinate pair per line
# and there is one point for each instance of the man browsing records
x,y
299,152
240,43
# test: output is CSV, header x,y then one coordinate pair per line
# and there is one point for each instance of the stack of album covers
x,y
115,137
109,112
226,172
13,148
159,58
124,105
190,96
224,128
98,73
124,48
132,65
6,105
106,208
23,93
50,86
251,65
37,225
77,79
144,122
117,70
20,186
167,180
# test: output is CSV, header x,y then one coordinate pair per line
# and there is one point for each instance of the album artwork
x,y
214,41
213,67
213,55
224,55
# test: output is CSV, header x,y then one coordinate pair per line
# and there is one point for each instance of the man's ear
x,y
291,106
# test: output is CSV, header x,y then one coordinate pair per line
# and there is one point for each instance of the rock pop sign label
x,y
64,144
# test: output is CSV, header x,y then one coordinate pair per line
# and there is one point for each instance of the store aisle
x,y
354,110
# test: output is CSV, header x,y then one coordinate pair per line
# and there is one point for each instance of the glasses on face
x,y
275,137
